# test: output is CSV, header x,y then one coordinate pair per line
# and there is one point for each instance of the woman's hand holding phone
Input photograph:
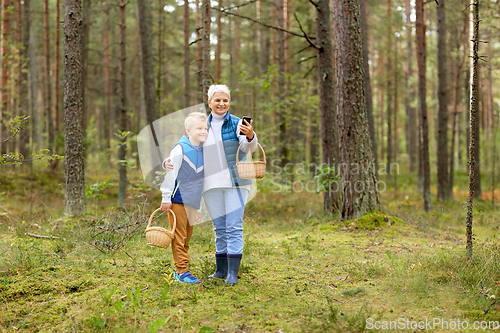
x,y
246,128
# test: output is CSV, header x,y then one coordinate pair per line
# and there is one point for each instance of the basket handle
x,y
156,211
258,144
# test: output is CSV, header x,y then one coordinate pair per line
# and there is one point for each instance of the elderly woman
x,y
224,192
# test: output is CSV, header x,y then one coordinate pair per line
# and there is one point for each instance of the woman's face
x,y
219,103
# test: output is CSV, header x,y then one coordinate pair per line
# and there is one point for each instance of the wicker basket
x,y
158,236
251,170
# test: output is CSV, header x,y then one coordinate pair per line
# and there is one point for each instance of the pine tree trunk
x,y
17,93
159,73
205,45
477,157
368,85
33,78
199,50
122,152
4,89
422,104
359,191
411,128
473,121
443,189
56,72
73,113
85,66
389,88
282,119
48,79
218,47
147,61
187,87
329,143
107,78
24,102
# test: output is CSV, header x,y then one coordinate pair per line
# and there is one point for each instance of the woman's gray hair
x,y
218,88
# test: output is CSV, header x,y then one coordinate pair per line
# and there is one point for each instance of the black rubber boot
x,y
221,266
233,266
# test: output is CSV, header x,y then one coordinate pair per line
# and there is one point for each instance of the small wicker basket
x,y
251,170
158,236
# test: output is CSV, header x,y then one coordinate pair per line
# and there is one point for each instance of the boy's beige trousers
x,y
182,235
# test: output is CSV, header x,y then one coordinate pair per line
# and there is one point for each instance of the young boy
x,y
181,190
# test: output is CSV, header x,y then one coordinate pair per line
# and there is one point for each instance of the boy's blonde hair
x,y
194,117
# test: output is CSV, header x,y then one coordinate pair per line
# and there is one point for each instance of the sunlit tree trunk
x,y
353,133
422,104
73,113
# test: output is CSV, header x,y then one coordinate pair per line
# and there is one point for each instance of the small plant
x,y
118,305
155,326
107,296
326,177
98,323
95,190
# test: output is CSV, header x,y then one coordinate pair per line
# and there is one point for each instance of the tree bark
x,y
147,61
474,22
187,87
218,47
282,126
73,113
85,66
56,72
199,50
122,152
422,104
4,89
389,87
24,102
329,143
443,189
355,150
107,78
411,128
368,85
205,45
47,83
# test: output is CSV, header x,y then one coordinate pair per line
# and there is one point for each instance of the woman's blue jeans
x,y
226,207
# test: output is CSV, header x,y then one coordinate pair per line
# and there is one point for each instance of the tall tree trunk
x,y
359,190
56,72
47,84
25,100
477,139
218,47
122,152
411,128
147,61
205,45
329,143
159,88
474,30
73,117
107,77
33,79
395,149
85,66
18,43
422,104
368,85
282,126
389,86
187,87
443,190
4,89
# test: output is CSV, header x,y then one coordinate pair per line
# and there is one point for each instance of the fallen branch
x,y
42,236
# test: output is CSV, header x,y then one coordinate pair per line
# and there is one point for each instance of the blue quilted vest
x,y
231,144
189,182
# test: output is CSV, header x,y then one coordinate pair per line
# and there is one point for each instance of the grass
x,y
300,272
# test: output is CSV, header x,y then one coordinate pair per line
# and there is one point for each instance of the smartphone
x,y
248,119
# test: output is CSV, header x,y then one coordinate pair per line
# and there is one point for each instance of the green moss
x,y
374,220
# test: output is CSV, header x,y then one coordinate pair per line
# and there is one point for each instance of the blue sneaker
x,y
185,277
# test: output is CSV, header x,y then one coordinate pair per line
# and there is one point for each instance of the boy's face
x,y
198,132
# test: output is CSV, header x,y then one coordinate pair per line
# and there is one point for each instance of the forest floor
x,y
301,272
